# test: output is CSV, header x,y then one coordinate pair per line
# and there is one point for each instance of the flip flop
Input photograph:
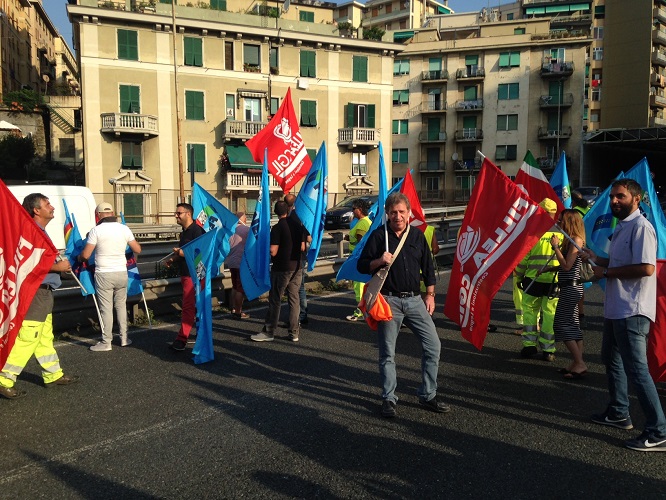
x,y
575,375
563,371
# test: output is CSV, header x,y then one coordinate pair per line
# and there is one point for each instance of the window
x,y
506,152
507,122
196,155
471,65
359,68
275,105
218,4
193,48
252,109
308,63
518,31
507,91
66,148
194,105
598,53
594,117
129,99
359,164
273,62
400,97
307,17
309,113
251,56
509,16
401,67
596,94
230,101
400,155
600,12
229,55
400,127
598,32
131,152
509,60
133,207
360,115
431,183
128,47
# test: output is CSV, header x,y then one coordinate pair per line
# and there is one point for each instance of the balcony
x,y
437,76
467,165
657,100
236,129
546,134
431,195
660,14
657,121
432,137
432,166
545,163
434,107
470,74
554,101
659,57
657,80
659,36
469,135
243,181
358,137
557,69
472,105
129,123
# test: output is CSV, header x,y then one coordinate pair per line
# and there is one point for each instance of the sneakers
x,y
645,443
388,409
64,380
11,392
619,422
100,347
262,337
528,351
125,343
548,356
178,345
293,337
357,315
434,405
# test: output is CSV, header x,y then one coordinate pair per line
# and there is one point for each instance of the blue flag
x,y
73,246
255,265
200,256
348,269
600,223
134,284
209,213
559,181
312,201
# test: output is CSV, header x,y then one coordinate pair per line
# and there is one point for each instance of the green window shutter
x,y
504,60
514,59
471,60
371,116
470,93
518,31
395,126
469,122
188,51
500,152
218,4
199,153
501,122
404,126
512,123
404,97
553,121
130,99
513,91
131,155
435,64
273,58
403,158
502,91
359,68
350,115
309,113
307,17
194,105
394,156
192,48
308,59
511,152
127,45
133,207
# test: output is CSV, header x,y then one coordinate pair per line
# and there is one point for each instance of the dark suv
x,y
339,216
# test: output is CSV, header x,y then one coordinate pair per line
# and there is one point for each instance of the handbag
x,y
587,273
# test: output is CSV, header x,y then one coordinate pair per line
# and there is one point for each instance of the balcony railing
x,y
432,166
557,69
433,106
659,57
469,134
129,123
657,100
435,136
660,14
464,73
657,80
471,105
440,75
243,181
657,121
236,129
431,194
358,137
546,133
554,101
544,162
659,36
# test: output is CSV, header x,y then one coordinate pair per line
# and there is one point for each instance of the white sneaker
x,y
125,343
100,346
262,337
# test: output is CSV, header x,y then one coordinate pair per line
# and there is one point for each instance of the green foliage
x,y
16,153
374,33
23,101
345,26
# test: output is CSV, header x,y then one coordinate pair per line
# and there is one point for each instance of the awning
x,y
240,157
402,35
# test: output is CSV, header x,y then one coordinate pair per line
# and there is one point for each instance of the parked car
x,y
590,193
339,216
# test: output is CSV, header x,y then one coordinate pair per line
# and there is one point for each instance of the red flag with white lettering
x,y
656,350
288,160
501,225
416,219
26,255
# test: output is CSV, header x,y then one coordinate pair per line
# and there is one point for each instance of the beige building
x,y
233,67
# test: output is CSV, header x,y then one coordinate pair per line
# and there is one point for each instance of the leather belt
x,y
564,283
402,295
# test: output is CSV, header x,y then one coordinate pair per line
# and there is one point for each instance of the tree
x,y
16,154
24,100
374,33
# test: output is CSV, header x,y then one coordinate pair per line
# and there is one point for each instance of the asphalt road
x,y
284,419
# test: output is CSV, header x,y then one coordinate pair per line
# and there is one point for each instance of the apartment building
x,y
165,99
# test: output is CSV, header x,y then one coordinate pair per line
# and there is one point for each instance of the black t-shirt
x,y
287,234
192,232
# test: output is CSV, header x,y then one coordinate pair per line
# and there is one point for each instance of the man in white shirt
x,y
109,239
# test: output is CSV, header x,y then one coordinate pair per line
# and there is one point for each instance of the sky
x,y
57,11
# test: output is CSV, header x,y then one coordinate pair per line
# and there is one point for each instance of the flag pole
x,y
99,315
574,243
539,273
150,323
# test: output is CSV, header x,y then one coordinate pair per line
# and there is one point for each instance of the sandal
x,y
575,375
242,315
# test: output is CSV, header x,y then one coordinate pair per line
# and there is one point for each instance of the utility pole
x,y
181,180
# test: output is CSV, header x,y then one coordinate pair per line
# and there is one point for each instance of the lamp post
x,y
181,181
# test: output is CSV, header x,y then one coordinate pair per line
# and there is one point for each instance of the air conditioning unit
x,y
302,84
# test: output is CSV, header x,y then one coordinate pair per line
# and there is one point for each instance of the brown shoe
x,y
64,380
11,392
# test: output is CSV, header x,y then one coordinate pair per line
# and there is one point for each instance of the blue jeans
x,y
413,313
623,351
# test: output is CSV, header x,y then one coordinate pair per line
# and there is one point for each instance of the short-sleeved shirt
x,y
362,225
110,240
237,246
634,242
287,234
192,232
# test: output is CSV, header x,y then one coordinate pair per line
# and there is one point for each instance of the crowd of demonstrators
x,y
360,209
566,324
401,290
287,242
233,262
191,230
290,200
109,239
35,337
537,272
629,307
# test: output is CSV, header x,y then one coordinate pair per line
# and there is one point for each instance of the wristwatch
x,y
432,294
606,273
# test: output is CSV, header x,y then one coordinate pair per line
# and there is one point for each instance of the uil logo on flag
x,y
646,198
208,218
467,244
283,131
565,194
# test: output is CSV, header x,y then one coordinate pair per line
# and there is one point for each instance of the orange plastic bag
x,y
380,311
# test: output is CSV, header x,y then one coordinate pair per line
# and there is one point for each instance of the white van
x,y
80,203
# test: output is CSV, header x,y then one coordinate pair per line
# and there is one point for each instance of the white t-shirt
x,y
110,240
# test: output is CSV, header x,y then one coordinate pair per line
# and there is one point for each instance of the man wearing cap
x,y
537,275
109,239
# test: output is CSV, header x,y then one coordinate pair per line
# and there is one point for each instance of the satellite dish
x,y
454,156
46,78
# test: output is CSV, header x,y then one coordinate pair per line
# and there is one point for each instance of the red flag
x,y
288,159
416,219
656,350
26,255
500,226
535,183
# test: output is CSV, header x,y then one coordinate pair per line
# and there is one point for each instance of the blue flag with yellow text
x,y
559,181
73,246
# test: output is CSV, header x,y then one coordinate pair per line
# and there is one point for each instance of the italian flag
x,y
532,180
